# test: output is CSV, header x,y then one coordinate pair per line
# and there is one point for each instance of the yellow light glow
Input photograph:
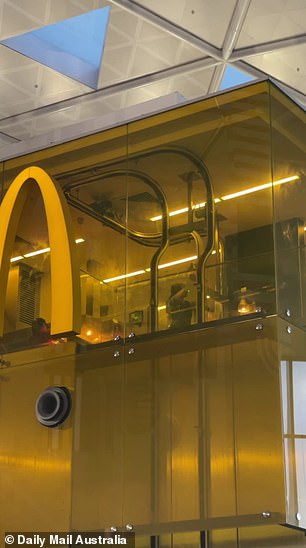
x,y
38,252
36,463
183,210
179,261
231,196
138,272
259,187
171,214
123,276
88,333
162,307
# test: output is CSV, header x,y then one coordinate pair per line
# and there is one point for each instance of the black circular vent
x,y
53,406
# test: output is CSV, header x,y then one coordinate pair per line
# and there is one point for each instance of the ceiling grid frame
x,y
202,60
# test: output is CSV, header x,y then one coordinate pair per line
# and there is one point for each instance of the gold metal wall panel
x,y
184,430
222,538
35,461
259,450
176,540
274,536
97,483
219,489
138,442
177,437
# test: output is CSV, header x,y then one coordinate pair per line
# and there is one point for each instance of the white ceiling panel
x,y
270,20
135,47
290,65
207,19
153,48
15,20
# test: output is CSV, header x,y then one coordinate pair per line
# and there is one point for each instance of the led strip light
x,y
230,196
39,252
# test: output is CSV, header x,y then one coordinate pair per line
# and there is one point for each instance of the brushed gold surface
x,y
35,461
185,430
274,536
97,484
258,441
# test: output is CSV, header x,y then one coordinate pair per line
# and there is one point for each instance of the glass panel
x,y
28,298
234,77
299,397
242,279
85,171
289,164
292,350
197,269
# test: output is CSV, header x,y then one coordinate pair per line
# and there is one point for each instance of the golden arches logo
x,y
65,280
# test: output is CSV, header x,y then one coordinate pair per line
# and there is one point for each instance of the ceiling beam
x,y
235,27
268,47
119,87
230,40
216,78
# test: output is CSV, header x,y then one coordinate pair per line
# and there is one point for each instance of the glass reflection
x,y
173,219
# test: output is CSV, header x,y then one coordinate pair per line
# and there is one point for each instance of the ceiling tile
x,y
207,19
270,20
289,67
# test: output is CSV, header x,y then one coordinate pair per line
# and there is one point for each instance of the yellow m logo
x,y
65,281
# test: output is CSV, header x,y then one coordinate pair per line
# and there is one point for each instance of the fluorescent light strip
x,y
183,210
179,261
39,252
171,214
259,187
231,196
138,272
123,276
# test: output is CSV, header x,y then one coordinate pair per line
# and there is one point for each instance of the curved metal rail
x,y
163,237
152,239
210,207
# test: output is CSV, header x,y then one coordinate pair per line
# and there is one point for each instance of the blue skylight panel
x,y
73,47
234,77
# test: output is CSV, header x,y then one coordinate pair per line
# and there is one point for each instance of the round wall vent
x,y
53,406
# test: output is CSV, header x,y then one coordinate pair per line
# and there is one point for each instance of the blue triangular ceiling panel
x,y
234,77
73,47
